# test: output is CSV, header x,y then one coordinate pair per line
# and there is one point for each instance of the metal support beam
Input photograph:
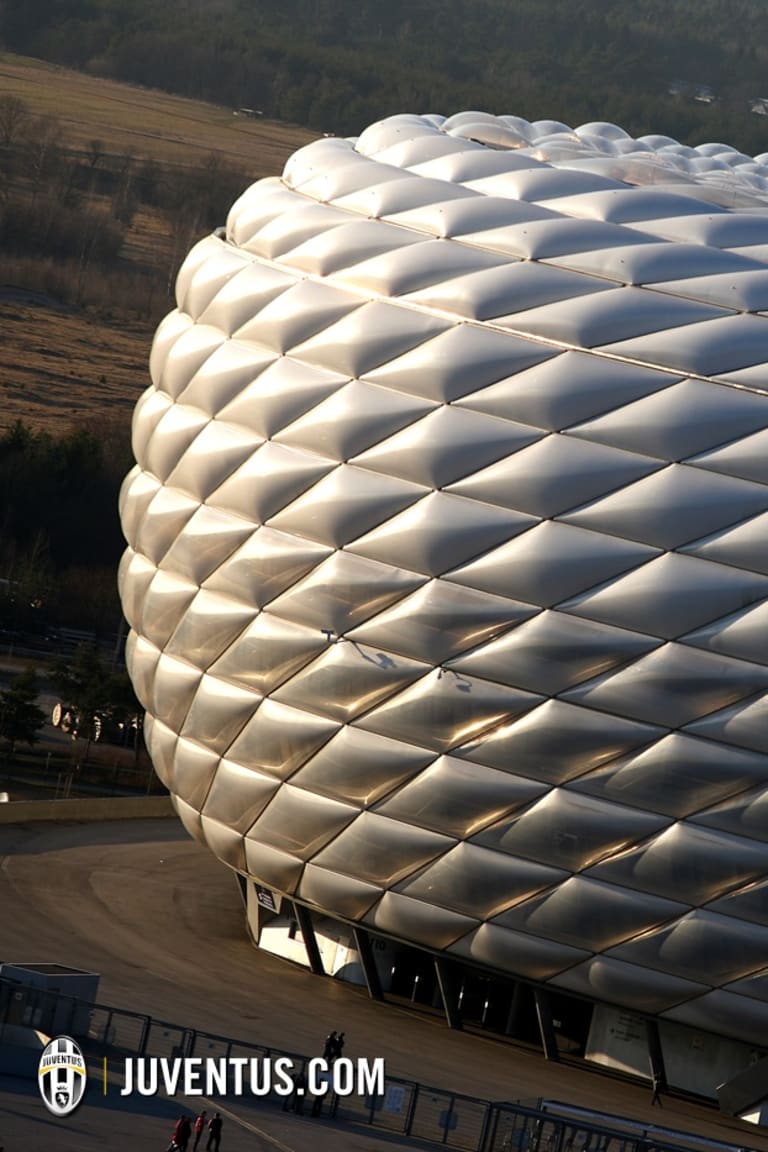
x,y
446,982
546,1027
655,1055
304,919
368,963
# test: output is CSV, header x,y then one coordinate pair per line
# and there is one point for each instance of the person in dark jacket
x,y
215,1125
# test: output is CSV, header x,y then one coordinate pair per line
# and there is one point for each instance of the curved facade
x,y
448,552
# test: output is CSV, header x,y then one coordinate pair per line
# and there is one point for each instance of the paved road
x,y
161,920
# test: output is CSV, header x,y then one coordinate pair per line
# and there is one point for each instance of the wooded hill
x,y
337,65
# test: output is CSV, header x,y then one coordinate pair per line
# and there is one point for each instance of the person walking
x,y
330,1046
199,1128
657,1087
181,1133
338,1047
215,1125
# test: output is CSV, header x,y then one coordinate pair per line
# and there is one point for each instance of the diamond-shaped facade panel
x,y
447,570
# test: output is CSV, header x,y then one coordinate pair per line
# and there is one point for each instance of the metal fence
x,y
405,1108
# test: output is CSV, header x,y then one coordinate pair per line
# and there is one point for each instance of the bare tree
x,y
13,114
94,151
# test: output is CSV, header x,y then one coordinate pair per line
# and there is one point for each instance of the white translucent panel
x,y
457,797
185,357
517,953
408,919
372,335
677,505
589,914
746,457
193,771
348,679
343,591
136,494
149,411
166,599
381,851
416,267
267,563
749,903
671,596
237,795
742,291
678,775
205,542
643,263
396,196
218,712
171,437
360,766
267,652
716,229
161,743
456,218
354,243
500,293
673,685
552,652
190,818
570,831
213,456
348,173
544,239
257,205
565,389
542,183
297,314
731,1015
627,205
295,821
135,574
744,724
682,420
685,863
210,623
440,532
345,504
445,445
470,163
283,392
273,869
278,739
174,325
268,479
557,473
618,314
745,815
353,418
225,374
299,220
558,741
742,634
141,658
615,982
440,620
711,348
225,843
201,277
700,946
165,516
244,295
478,881
174,688
745,546
459,362
551,562
445,710
334,892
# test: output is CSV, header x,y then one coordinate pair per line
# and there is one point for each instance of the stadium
x,y
447,572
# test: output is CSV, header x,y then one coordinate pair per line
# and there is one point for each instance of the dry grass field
x,y
58,363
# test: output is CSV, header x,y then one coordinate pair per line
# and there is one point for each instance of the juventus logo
x,y
61,1076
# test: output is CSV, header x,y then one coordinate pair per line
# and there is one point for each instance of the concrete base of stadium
x,y
161,920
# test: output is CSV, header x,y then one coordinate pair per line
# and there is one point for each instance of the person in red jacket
x,y
199,1129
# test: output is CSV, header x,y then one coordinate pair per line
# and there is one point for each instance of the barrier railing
x,y
406,1107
